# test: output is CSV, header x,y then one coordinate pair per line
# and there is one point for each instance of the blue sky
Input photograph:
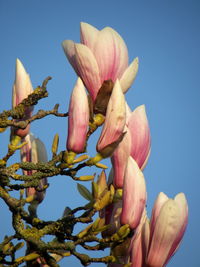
x,y
165,35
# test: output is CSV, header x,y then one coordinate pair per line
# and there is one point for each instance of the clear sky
x,y
165,35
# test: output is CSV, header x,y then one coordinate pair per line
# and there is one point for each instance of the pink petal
x,y
69,49
139,242
22,86
89,35
120,158
88,69
136,253
134,195
168,224
183,207
85,65
111,54
161,199
140,136
129,75
115,118
78,119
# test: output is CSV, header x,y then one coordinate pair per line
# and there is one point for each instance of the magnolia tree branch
x,y
18,112
64,241
114,215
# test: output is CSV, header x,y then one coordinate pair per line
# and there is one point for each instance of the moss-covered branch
x,y
29,228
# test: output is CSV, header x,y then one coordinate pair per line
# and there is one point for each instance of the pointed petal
x,y
89,35
161,199
168,224
78,119
85,65
120,159
140,136
183,207
111,54
69,49
115,119
129,75
22,86
134,195
88,69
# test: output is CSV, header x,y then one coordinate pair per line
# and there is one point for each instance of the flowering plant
x,y
115,215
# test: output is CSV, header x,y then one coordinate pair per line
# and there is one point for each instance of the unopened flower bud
x,y
21,89
78,119
134,195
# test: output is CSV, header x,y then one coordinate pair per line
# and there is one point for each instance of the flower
x,y
136,142
140,136
102,55
78,119
156,242
21,89
134,195
168,224
119,159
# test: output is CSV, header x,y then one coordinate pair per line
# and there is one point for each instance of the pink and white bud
x,y
134,195
78,119
102,55
140,136
34,151
120,158
169,226
112,132
21,89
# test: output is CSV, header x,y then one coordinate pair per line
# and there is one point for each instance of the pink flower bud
x,y
78,119
21,89
169,224
112,132
34,151
153,245
140,136
102,55
119,159
134,195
